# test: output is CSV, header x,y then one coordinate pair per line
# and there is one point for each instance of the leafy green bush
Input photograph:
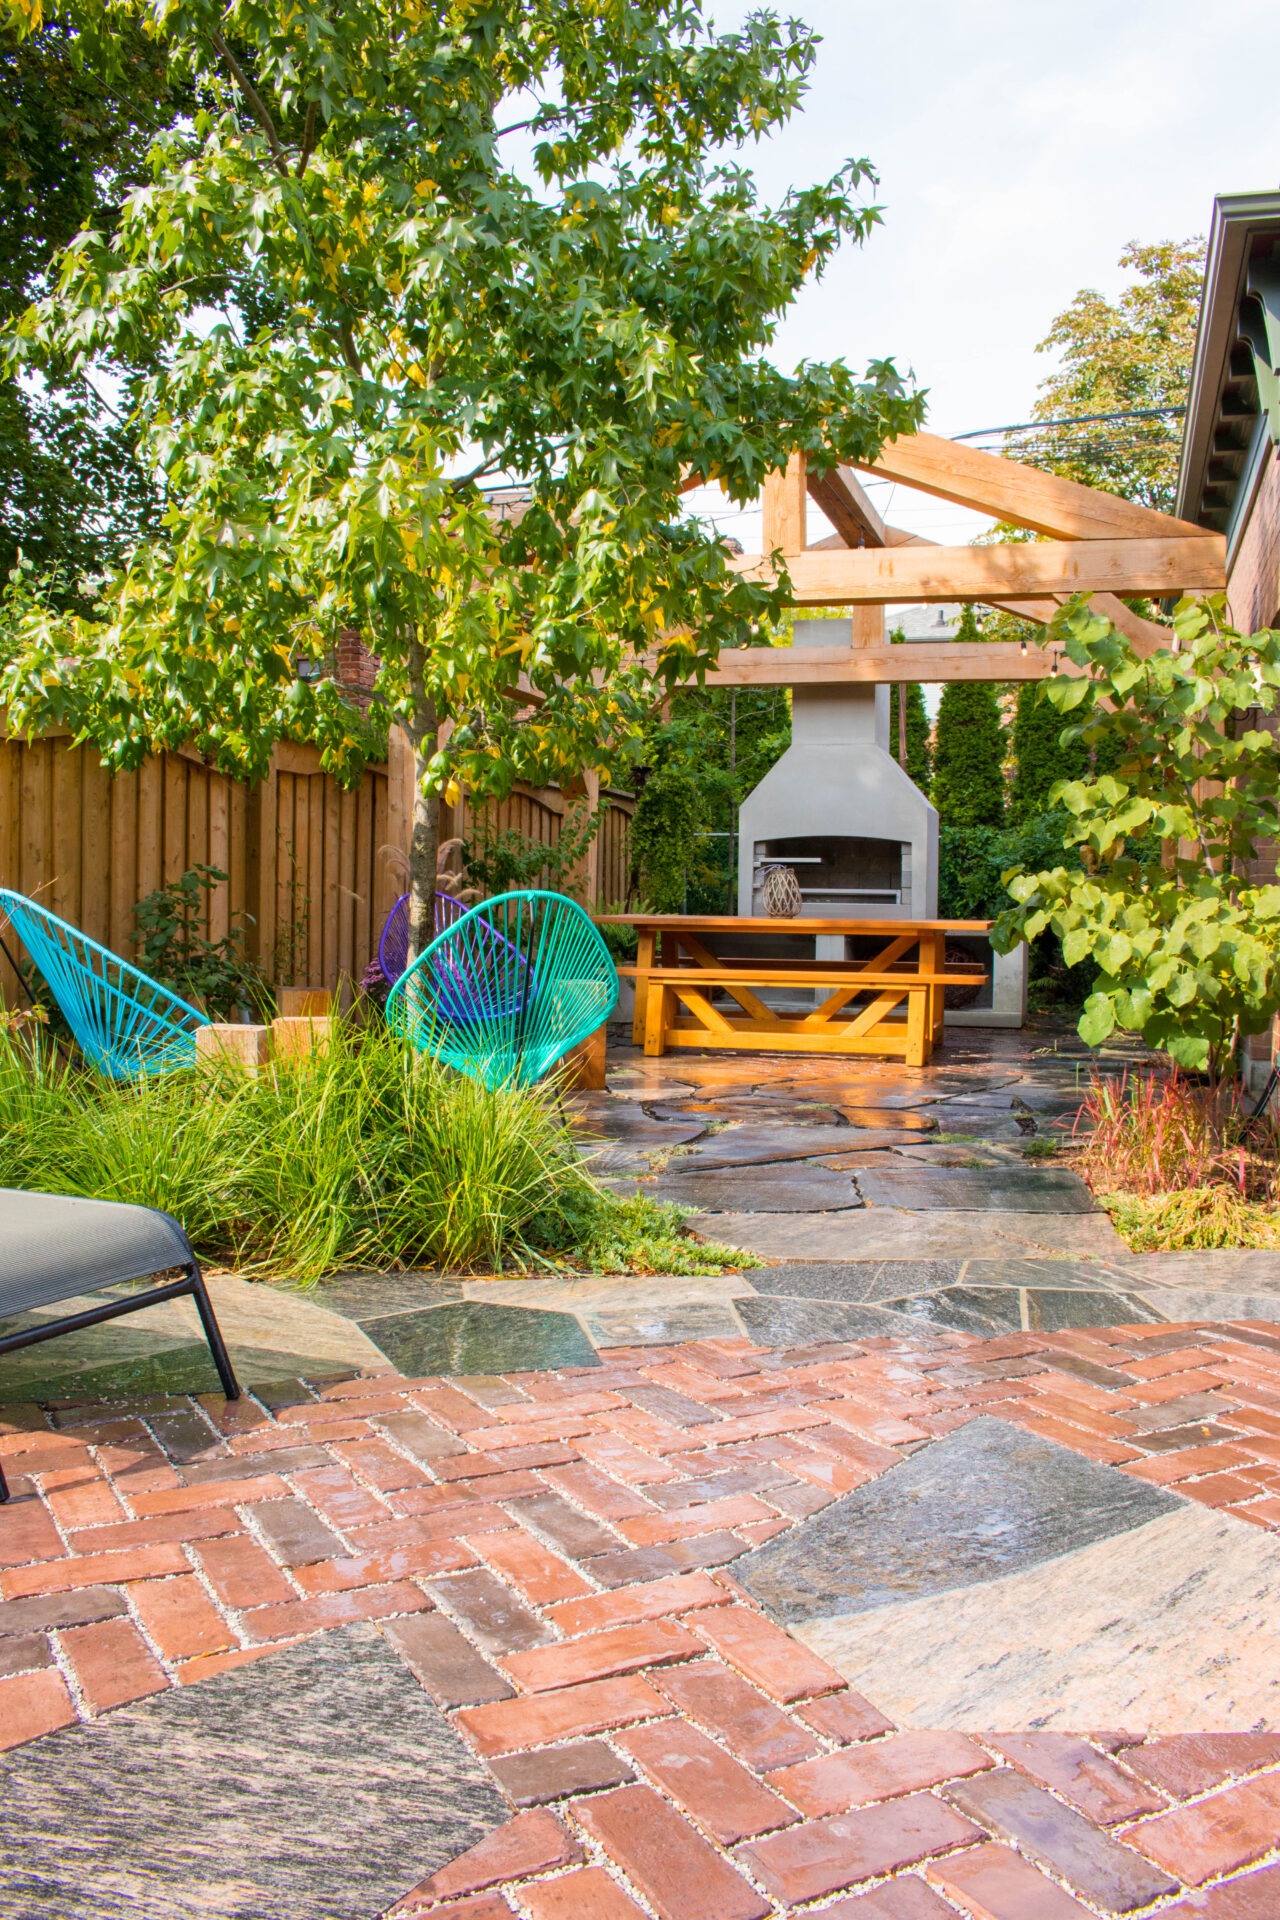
x,y
361,1155
173,947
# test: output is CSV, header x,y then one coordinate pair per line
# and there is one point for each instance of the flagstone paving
x,y
932,1569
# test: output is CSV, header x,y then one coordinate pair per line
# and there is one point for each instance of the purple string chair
x,y
393,945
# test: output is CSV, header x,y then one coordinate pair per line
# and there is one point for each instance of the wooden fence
x,y
312,867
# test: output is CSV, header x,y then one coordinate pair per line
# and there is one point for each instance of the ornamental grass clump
x,y
361,1154
1179,1164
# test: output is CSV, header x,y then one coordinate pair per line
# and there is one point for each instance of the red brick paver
x,y
552,1557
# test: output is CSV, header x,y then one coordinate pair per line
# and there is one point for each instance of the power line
x,y
1072,420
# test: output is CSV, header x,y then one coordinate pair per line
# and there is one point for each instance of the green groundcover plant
x,y
361,1155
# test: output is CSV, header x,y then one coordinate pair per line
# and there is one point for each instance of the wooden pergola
x,y
1091,542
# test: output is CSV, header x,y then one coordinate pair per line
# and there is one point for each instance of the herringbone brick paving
x,y
551,1554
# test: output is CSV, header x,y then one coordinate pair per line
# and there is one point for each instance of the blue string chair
x,y
124,1023
508,989
393,946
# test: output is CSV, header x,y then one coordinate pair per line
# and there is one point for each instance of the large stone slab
x,y
988,1310
1186,1303
860,1282
1237,1270
319,1783
778,1322
761,1109
368,1295
887,1233
625,1123
982,1502
749,1145
1090,1276
990,1189
785,1188
1168,1628
473,1337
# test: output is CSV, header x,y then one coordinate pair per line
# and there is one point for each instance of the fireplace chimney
x,y
838,809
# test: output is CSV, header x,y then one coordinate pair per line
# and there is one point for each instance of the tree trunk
x,y
424,840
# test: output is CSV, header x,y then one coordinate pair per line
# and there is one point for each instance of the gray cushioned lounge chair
x,y
53,1246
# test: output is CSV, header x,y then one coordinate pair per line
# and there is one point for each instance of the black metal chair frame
x,y
192,1282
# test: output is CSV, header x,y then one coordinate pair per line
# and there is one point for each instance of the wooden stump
x,y
228,1041
295,1038
296,1003
584,1065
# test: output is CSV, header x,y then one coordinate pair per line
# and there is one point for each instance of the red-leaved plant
x,y
1164,1133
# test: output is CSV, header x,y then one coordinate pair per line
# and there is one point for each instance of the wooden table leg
x,y
644,960
932,952
657,1019
919,1030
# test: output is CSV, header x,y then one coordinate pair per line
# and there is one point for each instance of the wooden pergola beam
x,y
882,576
842,497
915,661
1047,504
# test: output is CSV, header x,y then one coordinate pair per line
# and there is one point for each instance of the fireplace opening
x,y
838,870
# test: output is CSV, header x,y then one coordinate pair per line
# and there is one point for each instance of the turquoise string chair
x,y
124,1023
508,989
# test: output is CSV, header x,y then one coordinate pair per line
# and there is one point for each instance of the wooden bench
x,y
901,1016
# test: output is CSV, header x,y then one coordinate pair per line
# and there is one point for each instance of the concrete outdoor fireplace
x,y
860,837
837,808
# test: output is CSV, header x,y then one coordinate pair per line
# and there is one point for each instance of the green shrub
x,y
361,1155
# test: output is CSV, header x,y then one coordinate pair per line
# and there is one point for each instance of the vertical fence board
x,y
95,848
346,878
174,839
37,854
219,852
313,796
124,862
150,778
67,806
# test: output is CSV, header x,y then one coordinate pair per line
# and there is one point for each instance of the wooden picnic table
x,y
889,1002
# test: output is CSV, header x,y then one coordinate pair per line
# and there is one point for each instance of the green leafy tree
x,y
1041,756
1128,355
72,142
396,254
969,748
1186,942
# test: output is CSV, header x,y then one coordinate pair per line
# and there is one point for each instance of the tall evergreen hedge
x,y
1039,758
969,749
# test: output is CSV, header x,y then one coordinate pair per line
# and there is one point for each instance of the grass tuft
x,y
361,1155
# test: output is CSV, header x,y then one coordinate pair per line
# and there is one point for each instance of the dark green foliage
x,y
919,734
697,768
969,749
1039,755
72,140
171,938
971,862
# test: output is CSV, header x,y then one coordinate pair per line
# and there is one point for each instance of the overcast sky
x,y
1020,144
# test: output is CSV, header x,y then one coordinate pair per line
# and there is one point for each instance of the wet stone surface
x,y
980,1503
993,1189
750,1145
474,1337
767,1189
